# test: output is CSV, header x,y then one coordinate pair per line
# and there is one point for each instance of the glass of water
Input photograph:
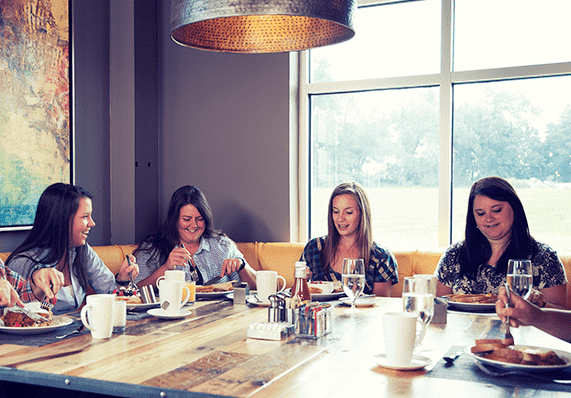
x,y
353,280
520,277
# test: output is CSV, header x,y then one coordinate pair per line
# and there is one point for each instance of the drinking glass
x,y
520,277
353,280
408,284
422,304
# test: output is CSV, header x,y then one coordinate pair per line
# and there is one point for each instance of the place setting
x,y
172,300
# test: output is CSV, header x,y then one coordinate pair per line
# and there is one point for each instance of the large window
x,y
430,96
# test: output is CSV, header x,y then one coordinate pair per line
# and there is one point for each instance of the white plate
x,y
360,302
453,305
59,319
211,295
254,301
417,362
514,366
327,296
142,307
157,312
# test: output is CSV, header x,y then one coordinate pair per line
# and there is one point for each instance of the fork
x,y
502,373
508,338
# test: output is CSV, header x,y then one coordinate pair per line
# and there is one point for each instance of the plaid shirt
x,y
382,265
22,286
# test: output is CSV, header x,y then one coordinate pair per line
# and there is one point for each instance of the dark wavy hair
x,y
164,241
364,233
476,249
52,228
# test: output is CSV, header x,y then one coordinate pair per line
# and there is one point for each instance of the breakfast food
x,y
15,317
473,298
315,290
217,287
130,295
496,350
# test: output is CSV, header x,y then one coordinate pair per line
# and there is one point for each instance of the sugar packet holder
x,y
313,320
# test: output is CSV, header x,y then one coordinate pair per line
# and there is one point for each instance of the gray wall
x,y
225,128
221,123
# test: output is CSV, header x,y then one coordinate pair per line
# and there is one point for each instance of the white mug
x,y
266,284
399,333
425,283
99,311
172,275
170,293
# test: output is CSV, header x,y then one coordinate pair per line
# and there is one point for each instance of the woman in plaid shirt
x,y
15,289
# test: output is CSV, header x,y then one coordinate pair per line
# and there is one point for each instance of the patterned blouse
x,y
208,259
22,286
548,271
382,265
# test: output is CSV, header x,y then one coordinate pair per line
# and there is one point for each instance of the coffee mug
x,y
97,315
171,275
425,283
399,333
170,293
266,284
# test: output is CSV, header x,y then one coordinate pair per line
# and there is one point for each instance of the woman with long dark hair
x,y
188,240
349,235
58,239
496,231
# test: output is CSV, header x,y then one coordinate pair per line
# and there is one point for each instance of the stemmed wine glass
x,y
520,277
353,280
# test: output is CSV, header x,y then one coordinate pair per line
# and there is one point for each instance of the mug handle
x,y
84,317
160,278
420,336
187,296
284,283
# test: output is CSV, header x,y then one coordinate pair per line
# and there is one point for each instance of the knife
x,y
213,281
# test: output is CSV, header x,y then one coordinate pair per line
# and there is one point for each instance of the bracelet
x,y
544,304
124,283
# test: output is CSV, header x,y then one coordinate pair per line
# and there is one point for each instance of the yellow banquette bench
x,y
281,257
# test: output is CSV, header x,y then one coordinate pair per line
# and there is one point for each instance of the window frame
x,y
302,89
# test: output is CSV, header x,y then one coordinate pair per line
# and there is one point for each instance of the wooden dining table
x,y
208,353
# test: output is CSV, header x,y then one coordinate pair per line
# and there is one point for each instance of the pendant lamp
x,y
261,26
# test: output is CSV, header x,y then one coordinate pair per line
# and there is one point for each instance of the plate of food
x,y
214,291
15,321
518,357
472,302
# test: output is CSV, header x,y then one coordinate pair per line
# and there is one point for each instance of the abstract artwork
x,y
35,116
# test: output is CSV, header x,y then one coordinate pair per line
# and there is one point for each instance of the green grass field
x,y
408,217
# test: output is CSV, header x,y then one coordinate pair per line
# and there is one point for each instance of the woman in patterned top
x,y
496,231
349,235
188,239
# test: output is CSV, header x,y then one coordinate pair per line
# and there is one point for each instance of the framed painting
x,y
35,111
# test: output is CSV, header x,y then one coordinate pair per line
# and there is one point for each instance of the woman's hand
x,y
46,282
520,311
231,265
8,296
537,297
179,256
126,269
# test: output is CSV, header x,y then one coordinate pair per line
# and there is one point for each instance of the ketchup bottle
x,y
300,288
